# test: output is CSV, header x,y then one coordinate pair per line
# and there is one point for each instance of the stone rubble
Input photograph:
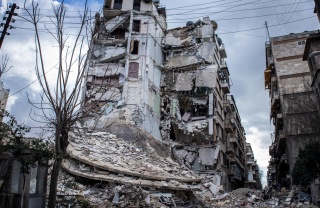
x,y
126,168
249,198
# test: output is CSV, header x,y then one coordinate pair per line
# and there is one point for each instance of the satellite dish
x,y
214,25
189,23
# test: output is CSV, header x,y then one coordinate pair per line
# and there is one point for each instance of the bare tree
x,y
4,67
60,102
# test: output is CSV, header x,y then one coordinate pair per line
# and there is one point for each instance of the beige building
x,y
253,177
293,104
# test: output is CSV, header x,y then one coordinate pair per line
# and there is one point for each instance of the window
x,y
117,4
133,70
135,47
136,5
136,26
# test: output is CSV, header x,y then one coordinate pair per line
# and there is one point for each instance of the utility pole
x,y
6,26
266,24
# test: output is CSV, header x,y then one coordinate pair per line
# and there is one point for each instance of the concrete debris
x,y
77,192
186,155
249,198
110,153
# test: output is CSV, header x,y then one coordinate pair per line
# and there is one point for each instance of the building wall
x,y
293,115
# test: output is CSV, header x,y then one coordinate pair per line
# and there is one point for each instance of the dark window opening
x,y
136,5
117,4
118,34
172,134
133,70
136,26
135,48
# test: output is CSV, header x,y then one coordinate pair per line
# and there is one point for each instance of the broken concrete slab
x,y
207,77
115,22
113,53
184,81
109,69
70,166
114,154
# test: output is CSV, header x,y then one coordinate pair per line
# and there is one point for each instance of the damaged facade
x,y
293,104
124,64
196,111
162,95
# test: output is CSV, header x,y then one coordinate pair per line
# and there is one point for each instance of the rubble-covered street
x,y
82,192
139,171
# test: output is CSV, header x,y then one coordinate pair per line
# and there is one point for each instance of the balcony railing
x,y
225,87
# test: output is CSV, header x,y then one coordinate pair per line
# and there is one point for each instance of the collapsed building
x,y
167,122
195,106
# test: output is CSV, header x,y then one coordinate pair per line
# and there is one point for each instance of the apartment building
x,y
312,57
253,177
293,104
124,64
235,143
173,84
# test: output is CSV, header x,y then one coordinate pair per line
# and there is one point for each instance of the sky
x,y
241,26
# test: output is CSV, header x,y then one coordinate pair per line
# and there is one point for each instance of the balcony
x,y
233,123
230,151
271,150
234,140
250,162
225,87
250,153
275,99
282,136
227,106
284,159
279,115
222,51
227,126
278,122
267,78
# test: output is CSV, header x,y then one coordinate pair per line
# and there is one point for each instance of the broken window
x,y
135,47
136,5
117,4
136,26
133,70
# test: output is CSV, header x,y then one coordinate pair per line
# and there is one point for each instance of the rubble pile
x,y
80,192
106,157
249,198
